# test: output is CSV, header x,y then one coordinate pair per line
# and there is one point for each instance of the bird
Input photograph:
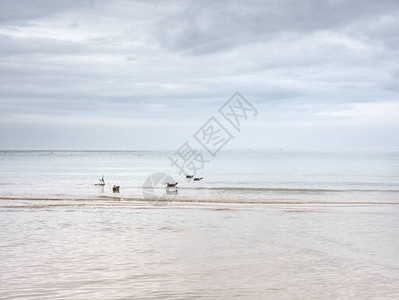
x,y
115,188
189,176
102,182
168,185
197,178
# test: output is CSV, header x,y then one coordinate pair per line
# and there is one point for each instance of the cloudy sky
x,y
148,74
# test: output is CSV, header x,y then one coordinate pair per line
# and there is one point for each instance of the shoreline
x,y
149,202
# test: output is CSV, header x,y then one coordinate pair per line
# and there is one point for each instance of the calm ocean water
x,y
261,225
247,176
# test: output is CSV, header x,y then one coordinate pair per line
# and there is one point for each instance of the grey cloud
x,y
22,12
14,45
216,26
176,63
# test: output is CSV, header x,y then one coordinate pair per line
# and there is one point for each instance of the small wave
x,y
282,190
106,201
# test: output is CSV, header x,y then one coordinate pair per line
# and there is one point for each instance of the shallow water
x,y
268,225
236,176
121,250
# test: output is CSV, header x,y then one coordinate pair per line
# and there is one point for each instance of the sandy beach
x,y
129,250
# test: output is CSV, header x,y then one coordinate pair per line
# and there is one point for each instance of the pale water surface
x,y
236,176
265,225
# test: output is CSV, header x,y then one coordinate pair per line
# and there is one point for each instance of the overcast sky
x,y
149,74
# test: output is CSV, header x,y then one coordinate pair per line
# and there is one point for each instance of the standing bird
x,y
102,182
115,188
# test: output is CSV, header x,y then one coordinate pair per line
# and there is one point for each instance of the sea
x,y
259,225
230,176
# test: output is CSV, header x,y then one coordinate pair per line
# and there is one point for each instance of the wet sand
x,y
106,249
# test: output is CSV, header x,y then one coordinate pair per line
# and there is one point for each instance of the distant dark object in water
x,y
197,178
102,182
169,185
115,188
189,176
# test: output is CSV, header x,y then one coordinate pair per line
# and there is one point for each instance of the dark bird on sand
x,y
115,188
197,178
189,176
168,185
